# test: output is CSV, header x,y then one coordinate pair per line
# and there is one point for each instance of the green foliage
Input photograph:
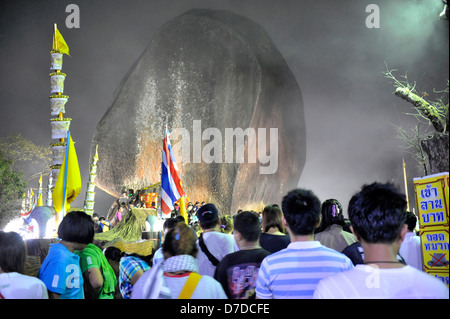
x,y
21,151
12,188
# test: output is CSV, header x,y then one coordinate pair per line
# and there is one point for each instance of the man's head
x,y
208,216
410,221
377,213
169,223
301,211
247,227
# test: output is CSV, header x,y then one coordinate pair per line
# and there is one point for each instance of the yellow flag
x,y
68,184
40,200
60,44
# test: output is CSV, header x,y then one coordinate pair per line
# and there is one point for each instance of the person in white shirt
x,y
14,284
377,220
411,249
212,244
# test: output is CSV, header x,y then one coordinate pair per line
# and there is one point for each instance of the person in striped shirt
x,y
294,272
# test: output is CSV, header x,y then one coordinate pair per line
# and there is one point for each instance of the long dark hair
x,y
332,213
271,217
13,252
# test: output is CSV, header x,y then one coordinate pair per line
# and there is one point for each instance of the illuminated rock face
x,y
205,72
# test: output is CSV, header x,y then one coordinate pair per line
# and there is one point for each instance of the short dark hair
x,y
410,220
13,252
170,223
377,213
301,210
247,224
77,227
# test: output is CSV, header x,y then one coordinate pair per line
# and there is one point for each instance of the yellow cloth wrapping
x,y
72,183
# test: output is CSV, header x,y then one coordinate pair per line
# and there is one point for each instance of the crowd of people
x,y
301,249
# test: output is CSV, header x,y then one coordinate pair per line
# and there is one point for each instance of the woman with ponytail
x,y
177,276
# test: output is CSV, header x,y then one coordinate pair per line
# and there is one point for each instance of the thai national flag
x,y
171,189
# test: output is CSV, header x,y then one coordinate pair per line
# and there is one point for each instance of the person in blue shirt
x,y
61,270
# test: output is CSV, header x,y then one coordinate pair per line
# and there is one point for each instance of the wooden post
x,y
406,185
54,36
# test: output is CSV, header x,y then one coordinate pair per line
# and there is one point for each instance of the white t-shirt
x,y
207,287
219,245
17,286
367,282
411,251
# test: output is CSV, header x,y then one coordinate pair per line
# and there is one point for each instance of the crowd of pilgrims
x,y
303,248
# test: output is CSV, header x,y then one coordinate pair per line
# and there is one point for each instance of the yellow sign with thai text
x,y
432,205
432,200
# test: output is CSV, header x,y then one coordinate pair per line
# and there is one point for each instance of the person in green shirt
x,y
99,277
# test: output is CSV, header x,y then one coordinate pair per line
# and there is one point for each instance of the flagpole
x,y
406,184
66,161
159,204
54,36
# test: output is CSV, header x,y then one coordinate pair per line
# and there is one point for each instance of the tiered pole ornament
x,y
90,192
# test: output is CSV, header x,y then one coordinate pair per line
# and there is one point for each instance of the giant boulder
x,y
204,72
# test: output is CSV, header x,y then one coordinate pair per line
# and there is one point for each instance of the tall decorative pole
x,y
49,190
59,124
90,192
40,201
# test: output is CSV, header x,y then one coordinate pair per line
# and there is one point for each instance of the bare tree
x,y
429,146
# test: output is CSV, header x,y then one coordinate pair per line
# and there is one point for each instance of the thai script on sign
x,y
431,204
429,192
435,217
436,237
436,241
436,246
443,278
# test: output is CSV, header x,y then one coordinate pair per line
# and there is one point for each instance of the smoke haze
x,y
338,62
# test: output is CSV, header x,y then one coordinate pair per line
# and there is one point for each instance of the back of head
x,y
226,224
170,223
332,213
301,209
377,213
271,216
247,224
410,220
13,252
77,227
113,253
180,240
180,218
208,216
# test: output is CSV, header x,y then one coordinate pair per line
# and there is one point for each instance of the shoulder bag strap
x,y
189,286
208,254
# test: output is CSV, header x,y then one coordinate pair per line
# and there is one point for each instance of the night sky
x,y
350,108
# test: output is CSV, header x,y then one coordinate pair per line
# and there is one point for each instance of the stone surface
x,y
219,68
